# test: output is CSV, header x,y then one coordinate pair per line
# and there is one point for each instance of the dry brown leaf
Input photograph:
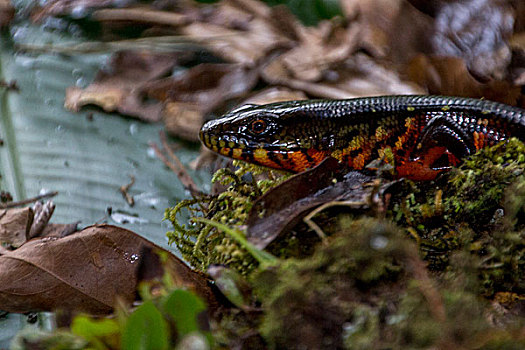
x,y
59,230
75,8
197,91
360,76
183,119
450,76
7,13
476,31
120,88
15,225
42,215
85,271
141,15
241,37
319,49
275,94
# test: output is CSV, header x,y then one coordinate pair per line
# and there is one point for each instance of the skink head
x,y
269,135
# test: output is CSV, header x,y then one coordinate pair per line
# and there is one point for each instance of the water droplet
x,y
53,23
151,153
379,242
81,82
133,129
44,191
79,12
77,73
24,61
20,33
122,218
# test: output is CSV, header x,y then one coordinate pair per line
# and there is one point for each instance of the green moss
x,y
478,207
331,298
201,244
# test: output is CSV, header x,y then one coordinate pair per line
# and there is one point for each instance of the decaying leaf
x,y
43,213
319,49
450,76
275,94
477,31
242,36
274,212
7,13
15,225
74,8
192,94
119,89
85,271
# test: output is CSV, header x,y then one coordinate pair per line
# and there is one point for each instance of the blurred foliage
x,y
311,12
165,321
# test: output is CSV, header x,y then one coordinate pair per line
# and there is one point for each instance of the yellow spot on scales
x,y
237,153
381,133
259,154
409,122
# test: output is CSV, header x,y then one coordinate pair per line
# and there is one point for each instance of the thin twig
x,y
124,190
427,288
176,166
9,85
308,218
27,201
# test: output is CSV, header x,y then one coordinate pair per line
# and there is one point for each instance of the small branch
x,y
176,166
9,85
27,201
124,190
308,218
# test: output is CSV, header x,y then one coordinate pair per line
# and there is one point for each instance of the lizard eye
x,y
258,126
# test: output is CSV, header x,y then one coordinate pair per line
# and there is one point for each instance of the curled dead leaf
x,y
183,120
359,76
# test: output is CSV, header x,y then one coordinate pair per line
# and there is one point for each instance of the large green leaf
x,y
47,147
86,161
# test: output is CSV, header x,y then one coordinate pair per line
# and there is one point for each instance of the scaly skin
x,y
421,136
